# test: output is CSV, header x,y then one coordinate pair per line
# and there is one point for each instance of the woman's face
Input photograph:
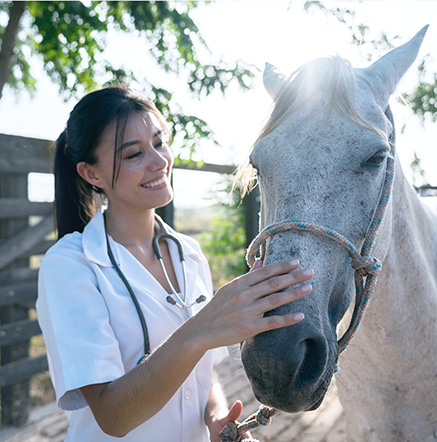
x,y
143,181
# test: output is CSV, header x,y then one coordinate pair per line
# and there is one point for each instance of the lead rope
x,y
366,267
232,431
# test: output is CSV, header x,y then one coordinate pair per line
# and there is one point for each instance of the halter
x,y
366,267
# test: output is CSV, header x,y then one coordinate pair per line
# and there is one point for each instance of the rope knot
x,y
369,264
229,432
232,431
265,414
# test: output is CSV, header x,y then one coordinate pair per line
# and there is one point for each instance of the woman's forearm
x,y
127,402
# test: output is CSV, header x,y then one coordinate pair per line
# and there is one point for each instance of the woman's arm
x,y
234,314
125,403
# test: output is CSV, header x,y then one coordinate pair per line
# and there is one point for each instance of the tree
x,y
224,243
69,38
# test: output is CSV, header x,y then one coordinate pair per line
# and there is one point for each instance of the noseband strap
x,y
366,267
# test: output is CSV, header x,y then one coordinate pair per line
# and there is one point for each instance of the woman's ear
x,y
88,173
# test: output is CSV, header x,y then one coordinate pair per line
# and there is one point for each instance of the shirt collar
x,y
94,242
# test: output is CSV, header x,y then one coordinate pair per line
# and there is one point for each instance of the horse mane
x,y
328,83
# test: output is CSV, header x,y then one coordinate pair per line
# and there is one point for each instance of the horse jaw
x,y
291,368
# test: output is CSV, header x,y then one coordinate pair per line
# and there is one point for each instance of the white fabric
x,y
93,334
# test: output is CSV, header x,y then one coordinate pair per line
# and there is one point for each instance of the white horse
x,y
322,158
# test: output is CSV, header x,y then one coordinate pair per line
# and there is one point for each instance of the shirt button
x,y
188,394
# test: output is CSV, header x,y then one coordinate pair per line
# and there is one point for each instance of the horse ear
x,y
273,80
384,74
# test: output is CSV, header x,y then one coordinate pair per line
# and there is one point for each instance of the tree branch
x,y
9,41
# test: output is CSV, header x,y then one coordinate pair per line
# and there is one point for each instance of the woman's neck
x,y
129,229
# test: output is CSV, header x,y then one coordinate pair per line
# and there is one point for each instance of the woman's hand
x,y
236,312
217,424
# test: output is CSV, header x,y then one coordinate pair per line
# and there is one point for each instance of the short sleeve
x,y
81,346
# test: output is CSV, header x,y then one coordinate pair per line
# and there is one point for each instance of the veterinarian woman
x,y
115,148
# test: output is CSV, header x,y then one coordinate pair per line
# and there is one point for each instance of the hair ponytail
x,y
67,204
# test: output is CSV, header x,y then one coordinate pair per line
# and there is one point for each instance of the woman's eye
x,y
134,155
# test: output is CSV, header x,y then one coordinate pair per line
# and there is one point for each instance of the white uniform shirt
x,y
93,334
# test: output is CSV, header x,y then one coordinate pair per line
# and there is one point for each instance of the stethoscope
x,y
174,298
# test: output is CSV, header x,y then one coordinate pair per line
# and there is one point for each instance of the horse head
x,y
321,158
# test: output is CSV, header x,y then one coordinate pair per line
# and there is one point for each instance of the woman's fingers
x,y
237,310
279,321
276,300
269,271
278,283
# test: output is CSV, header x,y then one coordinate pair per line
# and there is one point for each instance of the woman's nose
x,y
158,161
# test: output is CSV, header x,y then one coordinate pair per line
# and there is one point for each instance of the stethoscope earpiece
x,y
181,304
170,300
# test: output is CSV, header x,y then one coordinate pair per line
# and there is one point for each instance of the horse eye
x,y
377,159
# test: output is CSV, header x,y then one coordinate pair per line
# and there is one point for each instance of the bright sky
x,y
257,31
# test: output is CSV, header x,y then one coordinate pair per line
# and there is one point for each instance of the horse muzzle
x,y
291,368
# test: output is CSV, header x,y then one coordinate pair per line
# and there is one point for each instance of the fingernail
x,y
306,288
298,316
257,264
308,272
294,262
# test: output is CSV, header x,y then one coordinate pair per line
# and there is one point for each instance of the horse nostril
x,y
314,361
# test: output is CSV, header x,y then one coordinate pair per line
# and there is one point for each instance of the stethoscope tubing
x,y
179,302
134,300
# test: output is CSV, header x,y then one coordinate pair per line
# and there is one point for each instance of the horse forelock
x,y
325,84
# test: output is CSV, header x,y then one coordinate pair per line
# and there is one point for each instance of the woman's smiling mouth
x,y
159,182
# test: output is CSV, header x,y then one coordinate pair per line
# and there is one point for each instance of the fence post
x,y
167,212
251,211
15,399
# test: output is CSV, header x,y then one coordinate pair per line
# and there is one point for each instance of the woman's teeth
x,y
154,183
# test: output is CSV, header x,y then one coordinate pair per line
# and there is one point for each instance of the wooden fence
x,y
26,232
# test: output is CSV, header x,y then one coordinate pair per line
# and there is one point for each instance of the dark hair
x,y
76,201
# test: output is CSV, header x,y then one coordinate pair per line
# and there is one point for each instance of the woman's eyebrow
x,y
158,133
128,143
